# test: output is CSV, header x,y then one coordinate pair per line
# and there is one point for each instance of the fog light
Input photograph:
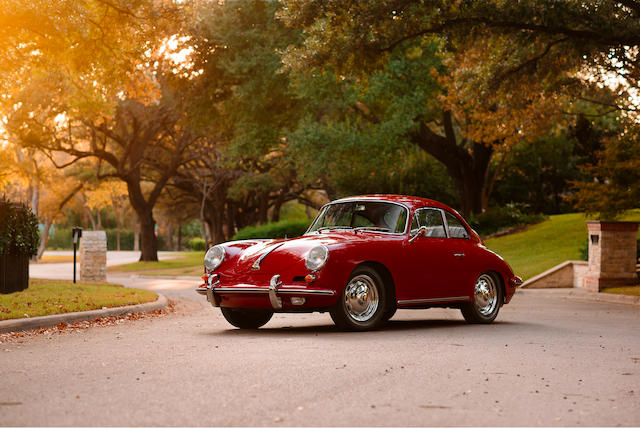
x,y
298,301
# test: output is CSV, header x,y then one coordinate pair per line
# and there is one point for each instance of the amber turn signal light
x,y
309,278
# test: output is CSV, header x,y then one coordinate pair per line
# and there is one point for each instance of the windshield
x,y
380,216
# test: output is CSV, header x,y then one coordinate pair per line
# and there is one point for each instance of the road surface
x,y
546,361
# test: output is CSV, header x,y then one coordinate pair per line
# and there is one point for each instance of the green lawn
x,y
545,244
190,263
633,290
49,297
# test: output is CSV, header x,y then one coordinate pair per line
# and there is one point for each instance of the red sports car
x,y
362,258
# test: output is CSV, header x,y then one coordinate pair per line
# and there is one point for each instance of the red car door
x,y
426,259
461,252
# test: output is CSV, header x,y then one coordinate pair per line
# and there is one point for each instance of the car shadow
x,y
390,326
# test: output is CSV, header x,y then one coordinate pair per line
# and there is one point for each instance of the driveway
x,y
65,270
546,361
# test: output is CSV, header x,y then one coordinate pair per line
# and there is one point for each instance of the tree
x,y
614,186
508,67
242,101
84,78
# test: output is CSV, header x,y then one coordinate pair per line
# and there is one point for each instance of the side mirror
x,y
421,231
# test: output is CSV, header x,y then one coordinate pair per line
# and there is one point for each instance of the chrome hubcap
x,y
486,294
361,298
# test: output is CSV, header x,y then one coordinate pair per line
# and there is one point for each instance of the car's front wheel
x,y
247,318
487,299
362,304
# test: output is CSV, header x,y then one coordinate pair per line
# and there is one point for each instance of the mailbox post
x,y
77,234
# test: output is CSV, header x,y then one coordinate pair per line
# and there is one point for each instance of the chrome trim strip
x,y
439,299
256,264
241,290
296,291
281,290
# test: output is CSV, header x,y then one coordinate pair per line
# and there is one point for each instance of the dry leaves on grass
x,y
83,325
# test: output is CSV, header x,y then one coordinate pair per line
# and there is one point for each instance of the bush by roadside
x,y
49,297
280,229
498,218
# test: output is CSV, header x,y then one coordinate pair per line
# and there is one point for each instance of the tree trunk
x,y
90,217
149,244
136,234
44,238
466,166
99,217
179,237
170,235
118,236
275,214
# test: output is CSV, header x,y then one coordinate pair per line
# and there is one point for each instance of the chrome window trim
x,y
406,223
442,217
445,223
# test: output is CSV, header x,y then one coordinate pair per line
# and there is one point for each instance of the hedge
x,y
280,229
18,229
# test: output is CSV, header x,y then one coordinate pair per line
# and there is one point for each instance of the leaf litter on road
x,y
83,325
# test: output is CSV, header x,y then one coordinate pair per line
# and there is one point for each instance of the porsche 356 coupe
x,y
362,258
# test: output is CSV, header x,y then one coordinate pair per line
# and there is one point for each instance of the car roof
x,y
408,201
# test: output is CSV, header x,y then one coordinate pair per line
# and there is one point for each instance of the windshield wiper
x,y
320,229
374,228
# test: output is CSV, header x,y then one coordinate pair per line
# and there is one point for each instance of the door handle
x,y
458,254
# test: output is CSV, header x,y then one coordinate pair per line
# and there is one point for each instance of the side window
x,y
456,229
431,219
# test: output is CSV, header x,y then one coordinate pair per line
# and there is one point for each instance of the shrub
x,y
497,218
280,229
18,229
126,239
197,244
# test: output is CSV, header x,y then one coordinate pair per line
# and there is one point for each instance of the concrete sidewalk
x,y
581,294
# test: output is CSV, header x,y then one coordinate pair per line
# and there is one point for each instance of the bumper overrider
x,y
275,290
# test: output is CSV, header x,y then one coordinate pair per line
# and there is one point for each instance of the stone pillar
x,y
612,255
93,256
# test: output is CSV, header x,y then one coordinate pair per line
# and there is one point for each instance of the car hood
x,y
277,256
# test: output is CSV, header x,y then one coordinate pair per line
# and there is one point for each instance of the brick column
x,y
612,255
93,256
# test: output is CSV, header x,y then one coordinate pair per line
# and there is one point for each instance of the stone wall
x,y
612,255
561,276
93,256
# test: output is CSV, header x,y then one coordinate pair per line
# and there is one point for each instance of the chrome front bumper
x,y
275,290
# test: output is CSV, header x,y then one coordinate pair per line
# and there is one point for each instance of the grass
x,y
49,297
188,264
546,244
633,290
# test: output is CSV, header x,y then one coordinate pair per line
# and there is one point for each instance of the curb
x,y
583,295
24,324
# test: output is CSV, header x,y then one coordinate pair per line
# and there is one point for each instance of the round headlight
x,y
317,257
214,257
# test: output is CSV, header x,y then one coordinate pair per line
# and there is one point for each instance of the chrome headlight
x,y
214,257
317,257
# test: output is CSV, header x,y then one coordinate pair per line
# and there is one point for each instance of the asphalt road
x,y
546,361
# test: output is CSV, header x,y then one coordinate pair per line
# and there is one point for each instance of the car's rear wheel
x,y
247,318
362,304
487,299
